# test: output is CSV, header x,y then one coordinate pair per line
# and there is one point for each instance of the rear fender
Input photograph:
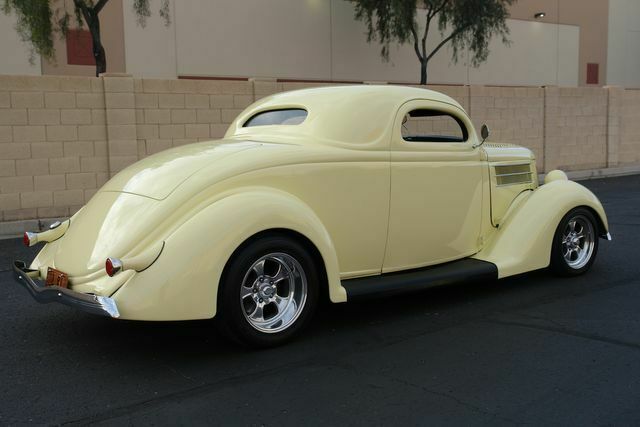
x,y
183,283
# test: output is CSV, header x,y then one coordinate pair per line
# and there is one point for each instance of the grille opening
x,y
513,174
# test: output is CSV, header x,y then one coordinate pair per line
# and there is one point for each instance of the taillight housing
x,y
29,238
113,266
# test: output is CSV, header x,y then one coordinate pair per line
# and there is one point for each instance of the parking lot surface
x,y
533,349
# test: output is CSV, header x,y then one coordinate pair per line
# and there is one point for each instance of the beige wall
x,y
315,39
62,137
112,32
624,43
53,144
590,15
13,51
575,128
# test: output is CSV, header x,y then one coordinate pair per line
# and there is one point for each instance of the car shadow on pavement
x,y
333,325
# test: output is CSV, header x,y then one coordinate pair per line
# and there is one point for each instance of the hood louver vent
x,y
513,174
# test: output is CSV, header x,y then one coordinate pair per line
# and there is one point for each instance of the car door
x,y
436,187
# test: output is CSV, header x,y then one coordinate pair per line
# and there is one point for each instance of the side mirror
x,y
484,132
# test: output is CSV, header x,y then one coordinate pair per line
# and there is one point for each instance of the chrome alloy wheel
x,y
273,292
578,240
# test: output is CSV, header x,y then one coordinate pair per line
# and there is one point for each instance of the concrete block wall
x,y
628,152
62,138
170,113
515,115
53,145
576,128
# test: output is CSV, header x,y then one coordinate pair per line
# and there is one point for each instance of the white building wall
x,y
14,52
150,51
623,52
319,39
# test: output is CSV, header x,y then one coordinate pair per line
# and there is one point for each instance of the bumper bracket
x,y
94,304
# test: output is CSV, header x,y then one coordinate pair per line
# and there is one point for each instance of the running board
x,y
464,270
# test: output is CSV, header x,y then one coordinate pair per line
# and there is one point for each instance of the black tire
x,y
584,223
278,252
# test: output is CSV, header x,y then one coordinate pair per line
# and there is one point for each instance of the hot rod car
x,y
343,192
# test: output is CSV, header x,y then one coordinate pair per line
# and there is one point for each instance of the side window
x,y
288,116
424,125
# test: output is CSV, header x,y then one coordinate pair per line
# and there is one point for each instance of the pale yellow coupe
x,y
338,192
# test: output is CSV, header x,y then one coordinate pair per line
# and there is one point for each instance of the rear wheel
x,y
269,292
575,243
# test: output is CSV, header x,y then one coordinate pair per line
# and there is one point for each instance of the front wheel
x,y
269,292
575,243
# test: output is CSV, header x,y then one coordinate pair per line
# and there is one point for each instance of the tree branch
x,y
98,7
85,11
426,32
415,42
446,40
439,8
430,15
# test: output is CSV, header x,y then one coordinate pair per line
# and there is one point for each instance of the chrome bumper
x,y
94,304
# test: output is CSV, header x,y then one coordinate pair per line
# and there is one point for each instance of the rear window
x,y
289,116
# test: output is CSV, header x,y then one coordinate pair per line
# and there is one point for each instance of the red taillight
x,y
29,239
112,266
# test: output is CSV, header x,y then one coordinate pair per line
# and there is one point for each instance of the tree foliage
x,y
465,24
38,22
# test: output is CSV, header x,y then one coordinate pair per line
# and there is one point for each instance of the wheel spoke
x,y
280,275
281,303
259,268
572,225
257,314
289,312
245,292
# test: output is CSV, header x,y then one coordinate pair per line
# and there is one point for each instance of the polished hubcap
x,y
578,242
273,292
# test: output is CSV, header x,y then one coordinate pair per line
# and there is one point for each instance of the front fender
x,y
183,283
523,241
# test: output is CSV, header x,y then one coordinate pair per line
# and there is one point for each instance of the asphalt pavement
x,y
533,349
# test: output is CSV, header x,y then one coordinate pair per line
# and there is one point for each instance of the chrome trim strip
x,y
506,163
513,174
94,304
514,183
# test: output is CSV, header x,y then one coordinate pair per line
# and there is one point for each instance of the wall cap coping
x,y
116,75
263,79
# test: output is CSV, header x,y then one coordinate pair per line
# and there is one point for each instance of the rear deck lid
x,y
158,175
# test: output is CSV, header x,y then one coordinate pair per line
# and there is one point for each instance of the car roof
x,y
393,93
352,114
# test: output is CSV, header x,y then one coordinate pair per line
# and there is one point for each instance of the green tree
x,y
466,24
39,21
